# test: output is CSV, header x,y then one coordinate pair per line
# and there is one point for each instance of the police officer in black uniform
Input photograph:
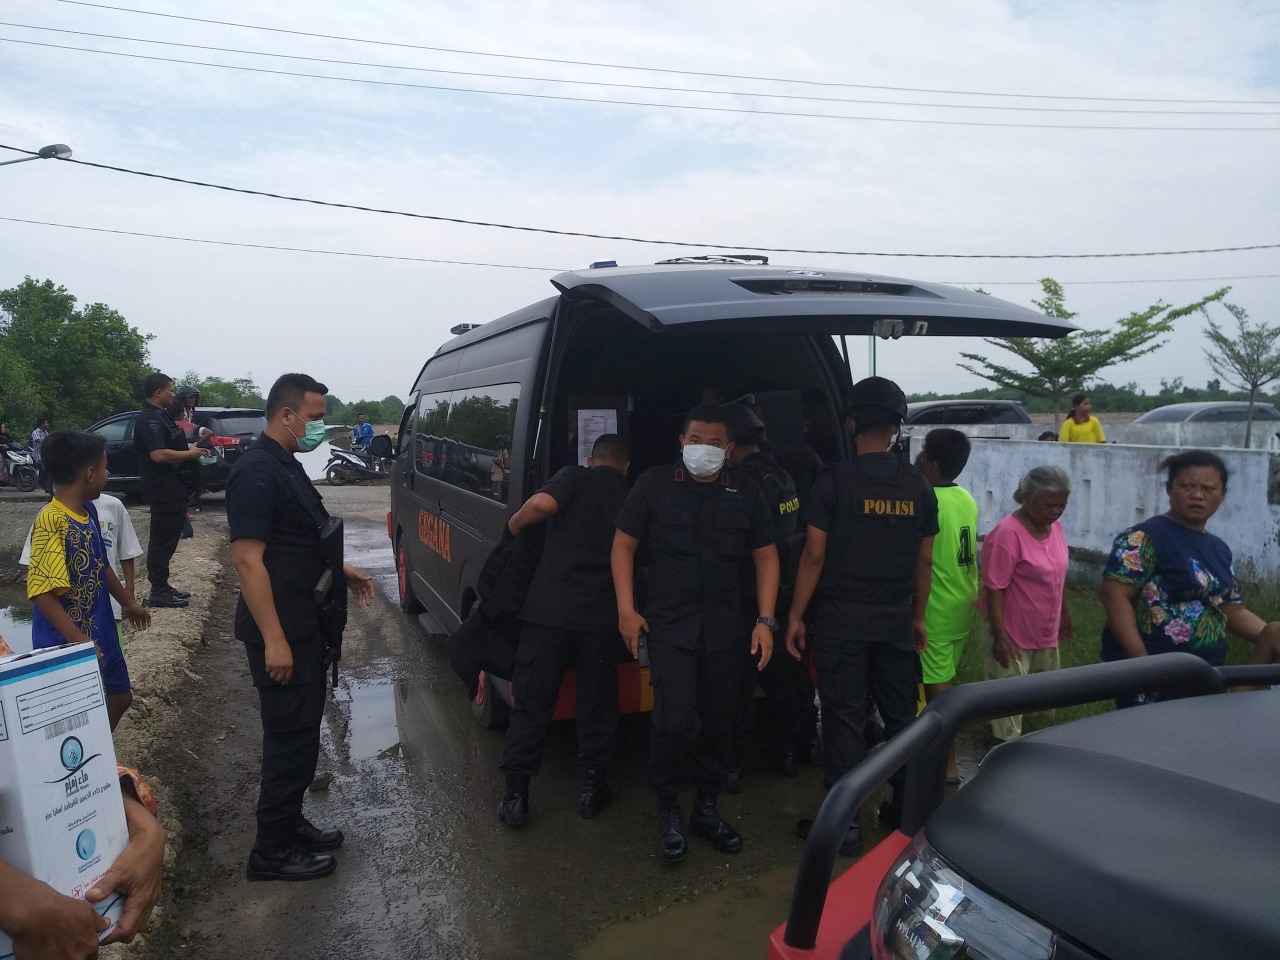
x,y
569,618
868,556
273,511
699,523
785,681
164,456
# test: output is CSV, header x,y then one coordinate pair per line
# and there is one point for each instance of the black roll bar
x,y
923,746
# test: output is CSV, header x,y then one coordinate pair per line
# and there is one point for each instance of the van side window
x,y
428,437
481,423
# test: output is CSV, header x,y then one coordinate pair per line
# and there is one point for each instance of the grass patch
x,y
1086,613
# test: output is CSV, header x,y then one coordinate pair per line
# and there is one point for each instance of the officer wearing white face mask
x,y
700,521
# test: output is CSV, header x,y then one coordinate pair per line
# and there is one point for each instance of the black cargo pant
x,y
542,656
291,716
788,692
862,651
167,518
696,696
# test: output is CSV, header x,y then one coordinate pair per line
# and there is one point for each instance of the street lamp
x,y
59,151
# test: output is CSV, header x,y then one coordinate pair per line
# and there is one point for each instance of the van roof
x,y
755,297
763,298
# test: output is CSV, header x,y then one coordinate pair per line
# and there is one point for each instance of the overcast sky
x,y
748,180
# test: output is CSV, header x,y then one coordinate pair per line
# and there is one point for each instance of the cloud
x,y
740,179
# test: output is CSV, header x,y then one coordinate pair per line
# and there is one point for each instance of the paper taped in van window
x,y
592,425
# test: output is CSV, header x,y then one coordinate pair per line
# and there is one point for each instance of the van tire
x,y
487,706
404,580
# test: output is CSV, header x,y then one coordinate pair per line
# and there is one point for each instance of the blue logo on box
x,y
72,753
86,843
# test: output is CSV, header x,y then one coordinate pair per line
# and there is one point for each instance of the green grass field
x,y
1086,613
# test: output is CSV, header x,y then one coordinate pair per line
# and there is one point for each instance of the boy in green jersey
x,y
949,614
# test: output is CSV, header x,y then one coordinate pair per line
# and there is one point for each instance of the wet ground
x,y
427,869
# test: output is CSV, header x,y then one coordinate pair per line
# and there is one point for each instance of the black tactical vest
x,y
875,535
780,490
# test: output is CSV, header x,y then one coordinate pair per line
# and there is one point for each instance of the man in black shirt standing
x,y
700,521
569,618
273,511
163,451
868,556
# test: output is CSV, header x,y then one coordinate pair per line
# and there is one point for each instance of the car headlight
x,y
924,910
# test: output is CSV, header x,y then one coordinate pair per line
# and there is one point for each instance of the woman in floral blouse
x,y
1168,583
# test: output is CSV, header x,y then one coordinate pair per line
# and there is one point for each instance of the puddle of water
x,y
372,731
15,617
397,719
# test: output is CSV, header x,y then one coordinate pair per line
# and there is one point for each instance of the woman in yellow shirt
x,y
1081,426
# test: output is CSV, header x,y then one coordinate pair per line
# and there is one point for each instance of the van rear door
x,y
676,297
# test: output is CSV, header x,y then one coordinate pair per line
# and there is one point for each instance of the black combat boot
x,y
733,782
514,808
706,822
595,795
890,812
671,830
850,846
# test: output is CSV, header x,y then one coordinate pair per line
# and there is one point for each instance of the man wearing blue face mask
x,y
277,526
700,521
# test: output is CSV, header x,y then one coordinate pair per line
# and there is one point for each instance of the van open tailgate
x,y
699,297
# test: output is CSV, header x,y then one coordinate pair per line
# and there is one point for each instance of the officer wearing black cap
x,y
785,682
569,618
700,521
868,557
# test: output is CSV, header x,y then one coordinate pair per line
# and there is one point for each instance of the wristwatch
x,y
769,622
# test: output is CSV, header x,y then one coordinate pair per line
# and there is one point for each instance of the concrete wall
x,y
1115,486
1177,435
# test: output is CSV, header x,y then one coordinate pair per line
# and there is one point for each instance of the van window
x,y
428,438
481,423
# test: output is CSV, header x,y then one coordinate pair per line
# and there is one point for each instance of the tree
x,y
217,392
21,396
89,362
1249,360
1060,367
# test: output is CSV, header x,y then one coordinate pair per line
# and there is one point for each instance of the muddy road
x,y
427,869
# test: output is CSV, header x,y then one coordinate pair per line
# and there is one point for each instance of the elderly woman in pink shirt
x,y
1024,576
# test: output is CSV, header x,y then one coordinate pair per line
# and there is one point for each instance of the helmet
x,y
184,392
745,426
880,393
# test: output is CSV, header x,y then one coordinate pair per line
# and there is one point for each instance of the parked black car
x,y
938,412
234,428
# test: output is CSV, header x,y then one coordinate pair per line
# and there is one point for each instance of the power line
x,y
511,266
621,66
630,86
665,243
403,84
266,246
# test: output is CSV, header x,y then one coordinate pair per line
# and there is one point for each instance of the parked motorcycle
x,y
18,469
359,464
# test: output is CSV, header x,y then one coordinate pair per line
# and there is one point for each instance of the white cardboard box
x,y
61,811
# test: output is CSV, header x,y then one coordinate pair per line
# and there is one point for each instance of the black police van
x,y
499,408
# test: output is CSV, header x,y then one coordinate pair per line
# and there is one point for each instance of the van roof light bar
x,y
743,259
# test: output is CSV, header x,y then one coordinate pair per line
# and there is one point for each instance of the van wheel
x,y
488,707
336,475
408,602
